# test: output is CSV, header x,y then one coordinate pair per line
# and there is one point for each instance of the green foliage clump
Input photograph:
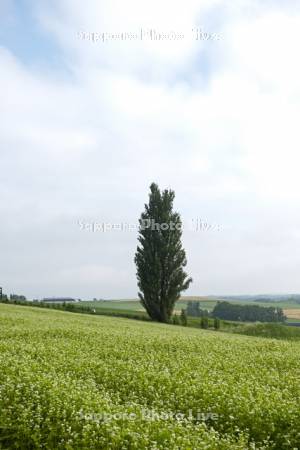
x,y
183,318
160,258
175,320
248,313
193,309
217,323
270,330
204,322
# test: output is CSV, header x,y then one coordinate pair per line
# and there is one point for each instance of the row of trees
x,y
204,322
193,309
248,313
229,311
12,297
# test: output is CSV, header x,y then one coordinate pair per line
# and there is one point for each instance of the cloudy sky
x,y
89,120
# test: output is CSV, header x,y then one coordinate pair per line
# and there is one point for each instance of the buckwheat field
x,y
71,381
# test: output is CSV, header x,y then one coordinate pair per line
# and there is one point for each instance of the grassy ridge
x,y
57,369
112,308
205,303
269,330
135,305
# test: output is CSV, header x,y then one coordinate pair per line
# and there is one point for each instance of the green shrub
x,y
204,322
217,323
183,318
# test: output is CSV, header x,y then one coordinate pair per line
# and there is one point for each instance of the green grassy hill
x,y
205,303
72,381
269,330
135,305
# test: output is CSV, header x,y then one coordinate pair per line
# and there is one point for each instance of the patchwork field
x,y
292,313
72,381
135,305
291,309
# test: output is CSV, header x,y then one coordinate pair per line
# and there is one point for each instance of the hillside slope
x,y
71,381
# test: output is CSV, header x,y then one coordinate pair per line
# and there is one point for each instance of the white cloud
x,y
131,113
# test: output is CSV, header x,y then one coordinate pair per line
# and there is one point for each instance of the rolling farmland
x,y
79,381
291,309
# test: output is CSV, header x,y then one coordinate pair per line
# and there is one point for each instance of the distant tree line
x,y
17,297
76,308
294,299
13,297
248,313
268,300
193,309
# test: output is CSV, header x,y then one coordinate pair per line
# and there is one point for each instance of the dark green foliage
x,y
175,320
204,322
248,313
194,310
17,297
270,330
70,307
160,258
217,323
183,318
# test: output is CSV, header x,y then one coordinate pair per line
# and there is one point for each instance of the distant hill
x,y
261,297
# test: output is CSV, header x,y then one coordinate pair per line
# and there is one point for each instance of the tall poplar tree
x,y
160,258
